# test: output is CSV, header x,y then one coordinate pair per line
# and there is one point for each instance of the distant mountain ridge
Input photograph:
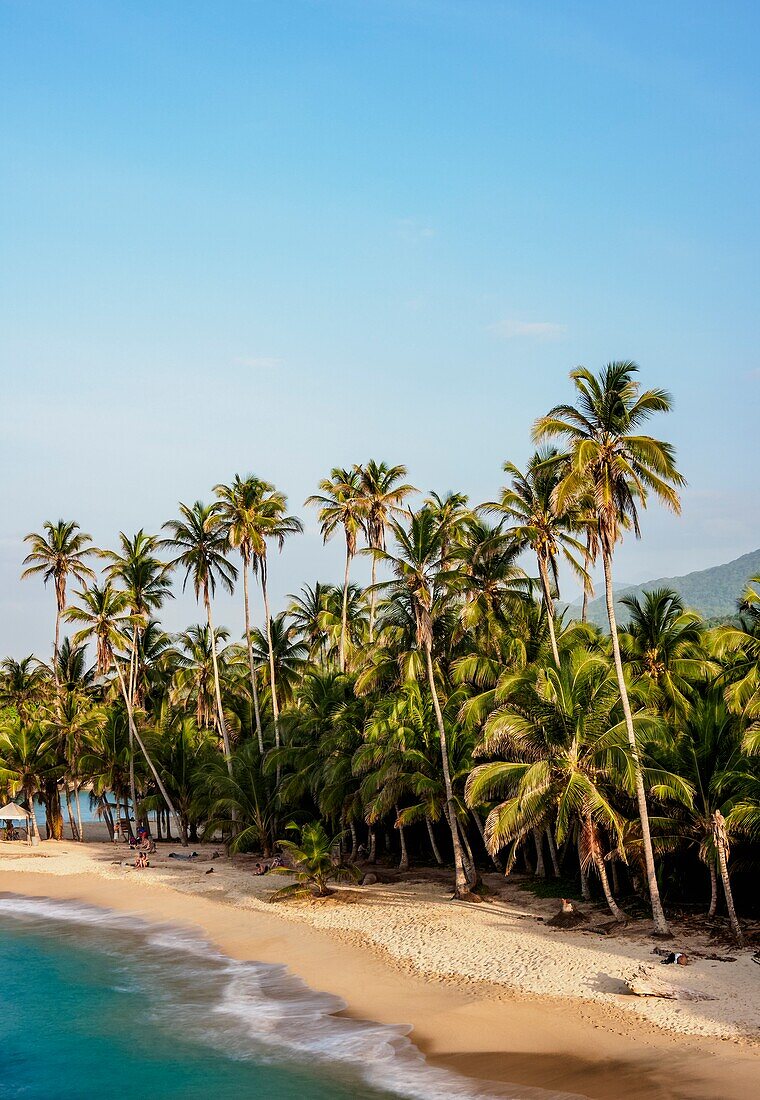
x,y
712,592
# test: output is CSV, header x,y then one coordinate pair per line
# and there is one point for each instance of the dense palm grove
x,y
446,713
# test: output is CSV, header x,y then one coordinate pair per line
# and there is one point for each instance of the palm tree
x,y
240,507
566,754
241,804
663,643
104,617
341,504
530,502
200,538
266,520
621,467
146,585
451,514
416,568
193,677
306,612
314,864
73,725
24,760
22,684
59,553
383,497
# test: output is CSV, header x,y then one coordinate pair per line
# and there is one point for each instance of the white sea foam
x,y
261,1010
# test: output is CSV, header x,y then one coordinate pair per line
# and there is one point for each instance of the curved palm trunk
x,y
404,861
549,606
713,889
587,583
658,914
272,678
53,815
538,840
56,640
585,888
721,843
372,600
601,868
33,823
344,613
79,812
433,845
138,739
552,852
70,812
217,685
461,884
251,669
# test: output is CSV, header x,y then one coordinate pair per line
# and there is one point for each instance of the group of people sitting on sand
x,y
142,845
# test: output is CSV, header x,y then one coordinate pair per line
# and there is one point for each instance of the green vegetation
x,y
446,713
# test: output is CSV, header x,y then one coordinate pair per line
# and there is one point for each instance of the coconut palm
x,y
314,864
266,520
199,539
241,514
73,724
22,684
59,553
609,457
193,676
146,584
25,759
383,497
562,752
451,515
105,619
664,643
530,503
417,574
241,804
305,611
342,506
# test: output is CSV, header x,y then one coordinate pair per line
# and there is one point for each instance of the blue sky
x,y
281,236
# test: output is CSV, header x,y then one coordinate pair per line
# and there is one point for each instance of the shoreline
x,y
480,1029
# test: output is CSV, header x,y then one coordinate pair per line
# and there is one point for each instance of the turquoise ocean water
x,y
96,1003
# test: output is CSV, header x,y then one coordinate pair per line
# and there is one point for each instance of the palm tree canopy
x,y
608,453
199,540
59,552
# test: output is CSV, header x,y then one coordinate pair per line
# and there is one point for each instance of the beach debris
x,y
369,880
568,916
643,982
210,871
709,955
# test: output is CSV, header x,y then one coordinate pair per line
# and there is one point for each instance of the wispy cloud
x,y
410,229
529,330
260,362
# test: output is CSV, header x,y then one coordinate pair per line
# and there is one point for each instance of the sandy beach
x,y
488,989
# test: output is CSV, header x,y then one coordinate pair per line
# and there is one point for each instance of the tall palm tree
x,y
266,521
193,674
240,508
416,569
59,553
529,501
146,584
200,540
609,457
342,505
383,497
563,752
104,617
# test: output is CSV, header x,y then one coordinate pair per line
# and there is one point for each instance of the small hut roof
x,y
14,812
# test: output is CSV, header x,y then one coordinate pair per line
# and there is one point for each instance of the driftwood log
x,y
645,983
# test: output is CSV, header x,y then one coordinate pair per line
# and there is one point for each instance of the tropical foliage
x,y
444,713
